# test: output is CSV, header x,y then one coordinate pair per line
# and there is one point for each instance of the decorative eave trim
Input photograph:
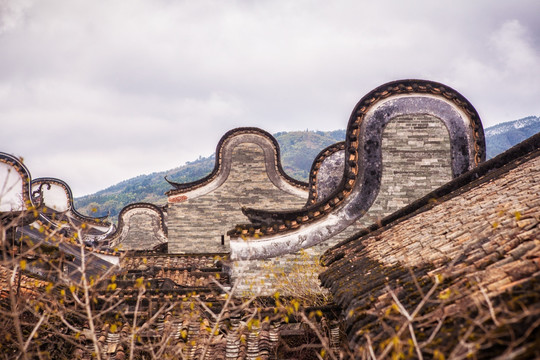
x,y
181,188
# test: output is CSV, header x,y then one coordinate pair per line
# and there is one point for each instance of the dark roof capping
x,y
49,182
485,172
280,232
222,166
23,172
122,229
320,183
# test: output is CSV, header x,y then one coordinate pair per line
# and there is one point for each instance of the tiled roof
x,y
186,327
200,261
461,257
24,285
188,336
155,323
183,271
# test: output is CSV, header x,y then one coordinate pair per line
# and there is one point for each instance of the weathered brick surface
x,y
416,161
196,225
141,230
481,240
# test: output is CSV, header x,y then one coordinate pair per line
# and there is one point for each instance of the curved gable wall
x,y
274,233
326,172
248,174
141,226
415,161
15,192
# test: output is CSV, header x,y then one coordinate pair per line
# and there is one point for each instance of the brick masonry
x,y
477,248
416,161
140,229
197,224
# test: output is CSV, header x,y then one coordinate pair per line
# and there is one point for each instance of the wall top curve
x,y
40,183
314,173
222,163
362,171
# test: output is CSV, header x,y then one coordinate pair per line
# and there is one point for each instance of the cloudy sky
x,y
94,92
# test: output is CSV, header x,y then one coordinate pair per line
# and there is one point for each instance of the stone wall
x,y
416,161
197,224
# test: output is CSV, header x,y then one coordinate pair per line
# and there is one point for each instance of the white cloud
x,y
109,90
513,48
504,77
12,13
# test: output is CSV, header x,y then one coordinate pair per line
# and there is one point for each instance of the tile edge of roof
x,y
497,166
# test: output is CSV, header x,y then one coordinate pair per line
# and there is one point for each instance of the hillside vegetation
x,y
505,135
298,150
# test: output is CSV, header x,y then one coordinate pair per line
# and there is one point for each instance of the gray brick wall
x,y
416,161
196,225
141,230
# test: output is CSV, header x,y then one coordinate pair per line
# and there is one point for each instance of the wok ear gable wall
x,y
141,226
404,140
416,161
198,219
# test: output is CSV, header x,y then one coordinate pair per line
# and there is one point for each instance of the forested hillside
x,y
505,135
298,150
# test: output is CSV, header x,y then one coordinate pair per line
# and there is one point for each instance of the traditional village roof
x,y
185,336
47,218
273,233
26,285
151,237
187,271
455,274
222,165
51,198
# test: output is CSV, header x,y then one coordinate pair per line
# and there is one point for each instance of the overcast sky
x,y
94,92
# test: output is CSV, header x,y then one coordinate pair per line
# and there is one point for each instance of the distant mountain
x,y
505,135
298,150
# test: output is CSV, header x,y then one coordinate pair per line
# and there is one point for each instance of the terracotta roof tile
x,y
477,246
